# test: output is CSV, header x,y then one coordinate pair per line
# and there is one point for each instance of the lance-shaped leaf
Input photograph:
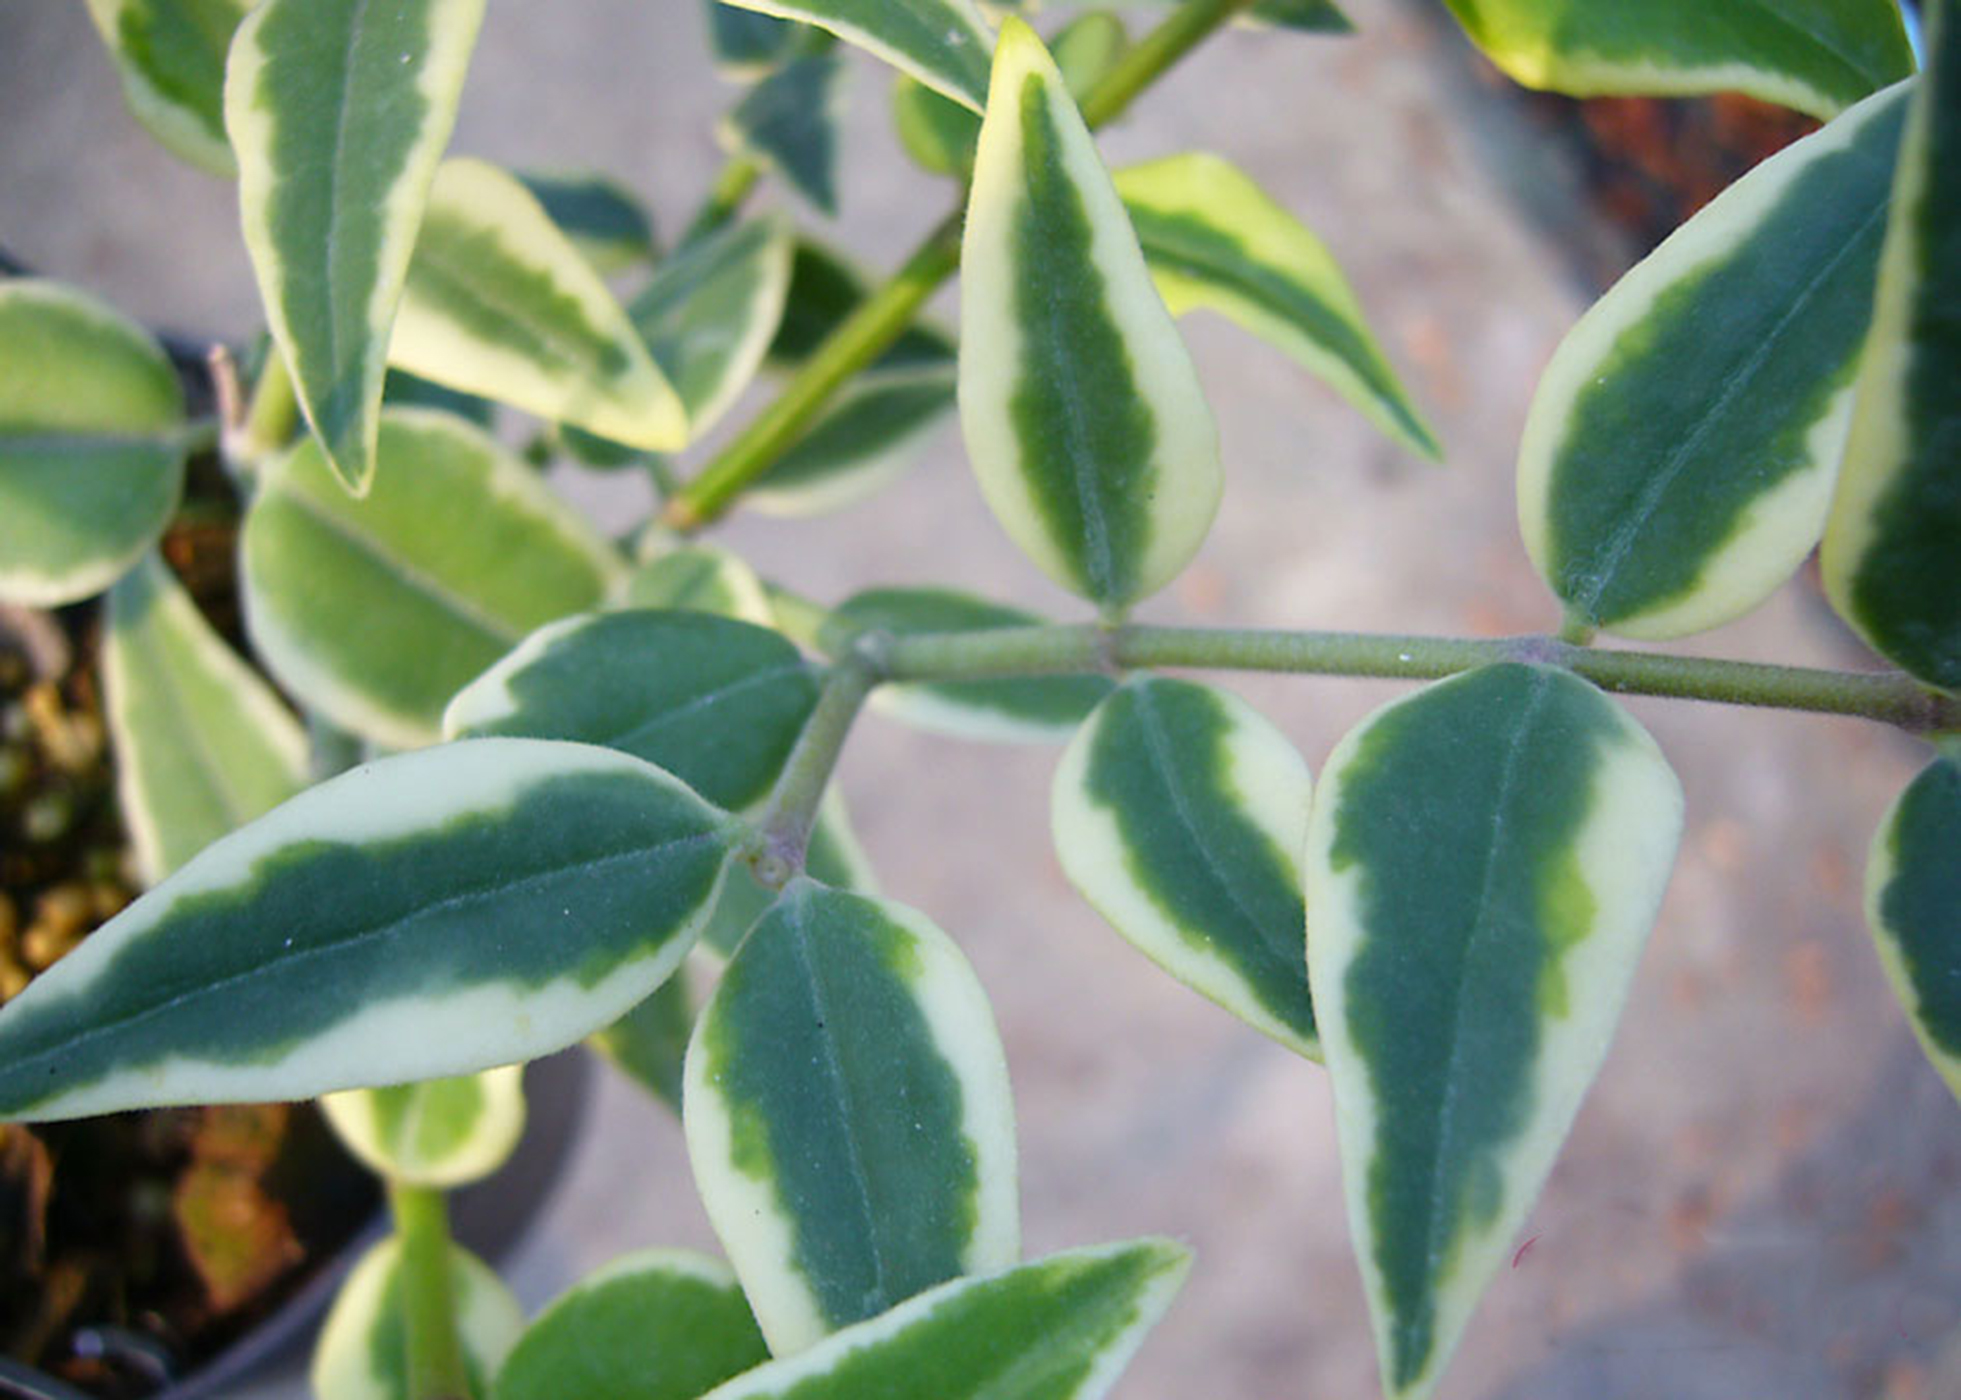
x,y
710,312
500,303
718,703
1216,241
91,443
338,111
1913,903
363,1349
431,914
835,858
847,1114
1678,459
825,287
1030,709
747,45
1484,860
1819,56
1892,556
943,43
379,610
699,578
202,744
868,437
1179,814
436,1132
663,1324
1083,416
610,227
789,120
1061,1328
170,55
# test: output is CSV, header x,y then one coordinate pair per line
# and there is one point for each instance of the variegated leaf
x,y
1302,16
431,914
717,703
835,858
1060,1328
1892,556
825,288
499,303
847,1114
91,443
338,112
441,1133
789,121
170,55
663,1324
202,744
1679,456
649,1043
1913,903
362,1353
698,578
1819,56
609,226
868,437
747,45
1484,861
1179,814
1030,709
379,610
1216,241
1082,413
943,43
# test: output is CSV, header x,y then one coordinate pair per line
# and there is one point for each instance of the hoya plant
x,y
489,783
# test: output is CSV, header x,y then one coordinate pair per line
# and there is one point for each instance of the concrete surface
x,y
1760,1196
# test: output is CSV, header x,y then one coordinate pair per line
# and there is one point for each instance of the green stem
x,y
731,187
1189,25
435,1351
272,417
784,830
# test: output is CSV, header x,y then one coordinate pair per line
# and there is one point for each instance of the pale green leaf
x,y
170,55
441,1133
1913,904
790,121
943,43
362,1352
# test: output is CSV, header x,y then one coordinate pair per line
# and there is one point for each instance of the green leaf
x,y
91,443
649,1043
847,1114
170,55
202,744
1307,16
1818,56
338,111
1913,904
1081,410
664,1324
747,45
835,858
711,311
1179,814
379,610
609,226
1061,1328
430,914
362,1353
1484,861
943,43
789,120
1678,459
500,303
404,390
824,289
437,1132
1892,557
1034,709
870,435
1216,241
699,578
718,703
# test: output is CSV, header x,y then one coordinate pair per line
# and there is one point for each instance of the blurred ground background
x,y
1762,1196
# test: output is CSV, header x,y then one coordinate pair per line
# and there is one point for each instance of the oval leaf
x,y
1484,861
847,1114
865,439
1178,812
1061,1328
699,578
718,703
362,1353
1678,460
611,228
943,43
431,914
379,610
1892,557
170,55
789,121
202,744
91,444
1819,56
1216,241
442,1133
1082,412
338,111
500,303
1913,903
665,1324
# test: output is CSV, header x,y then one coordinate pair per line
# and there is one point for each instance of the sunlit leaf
x,y
436,1132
